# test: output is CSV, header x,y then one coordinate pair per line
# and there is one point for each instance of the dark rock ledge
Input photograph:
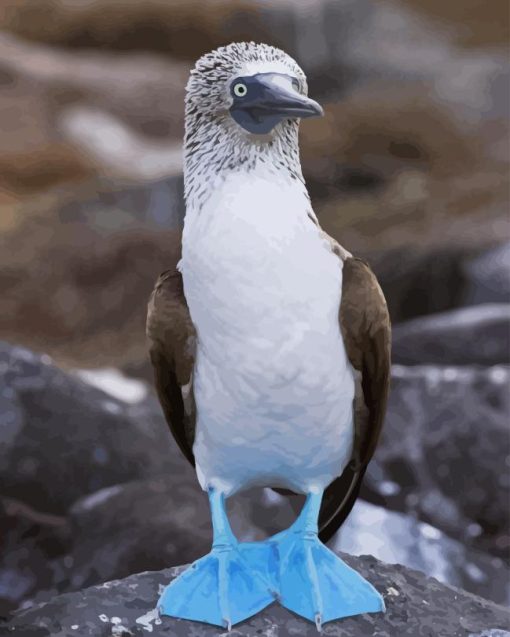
x,y
417,606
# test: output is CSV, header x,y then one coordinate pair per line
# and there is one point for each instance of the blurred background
x,y
408,168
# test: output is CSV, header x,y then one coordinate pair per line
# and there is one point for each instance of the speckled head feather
x,y
207,88
214,143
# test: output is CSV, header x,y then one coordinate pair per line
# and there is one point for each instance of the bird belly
x,y
273,386
296,433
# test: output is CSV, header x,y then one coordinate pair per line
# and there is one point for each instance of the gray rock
x,y
428,281
417,283
444,452
398,538
416,606
488,276
29,541
61,438
134,527
478,335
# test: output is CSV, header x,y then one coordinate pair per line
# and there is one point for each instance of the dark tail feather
x,y
338,500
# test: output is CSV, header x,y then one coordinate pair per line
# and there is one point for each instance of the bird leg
x,y
313,581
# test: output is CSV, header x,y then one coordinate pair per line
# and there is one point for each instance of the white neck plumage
x,y
216,148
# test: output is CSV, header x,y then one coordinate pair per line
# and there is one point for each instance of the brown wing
x,y
365,326
172,344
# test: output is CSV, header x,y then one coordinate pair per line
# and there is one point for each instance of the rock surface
x,y
398,538
61,438
488,276
127,528
476,335
445,451
417,606
417,283
133,527
29,540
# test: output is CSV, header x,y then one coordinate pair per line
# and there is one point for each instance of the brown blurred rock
x,y
142,90
473,23
33,155
26,174
184,29
363,129
68,116
386,167
408,162
80,290
73,124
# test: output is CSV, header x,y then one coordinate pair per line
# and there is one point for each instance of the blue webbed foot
x,y
223,588
233,582
313,581
318,585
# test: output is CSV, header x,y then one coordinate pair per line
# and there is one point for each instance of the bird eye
x,y
240,89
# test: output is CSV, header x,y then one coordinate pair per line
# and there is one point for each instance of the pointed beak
x,y
277,96
267,99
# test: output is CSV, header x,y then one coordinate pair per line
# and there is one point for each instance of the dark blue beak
x,y
261,101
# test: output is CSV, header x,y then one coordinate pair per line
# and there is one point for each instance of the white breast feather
x,y
273,386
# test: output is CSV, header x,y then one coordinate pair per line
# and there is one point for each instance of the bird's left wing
x,y
172,345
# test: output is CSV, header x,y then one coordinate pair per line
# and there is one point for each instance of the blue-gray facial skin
x,y
263,100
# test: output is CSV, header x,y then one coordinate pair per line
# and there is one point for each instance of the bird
x,y
270,345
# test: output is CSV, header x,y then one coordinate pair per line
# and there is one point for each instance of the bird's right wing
x,y
172,346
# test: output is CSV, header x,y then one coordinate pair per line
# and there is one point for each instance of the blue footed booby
x,y
270,345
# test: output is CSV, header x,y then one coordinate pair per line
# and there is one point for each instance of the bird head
x,y
247,90
243,106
